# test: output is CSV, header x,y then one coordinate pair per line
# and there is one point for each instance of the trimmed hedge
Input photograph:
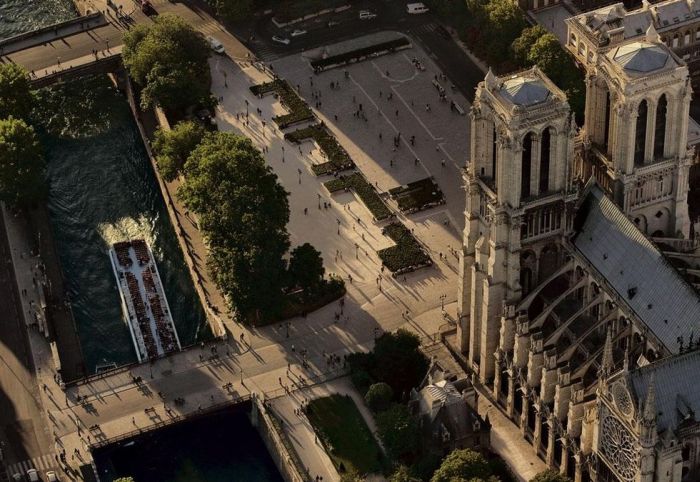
x,y
418,195
364,190
338,158
407,255
360,54
299,111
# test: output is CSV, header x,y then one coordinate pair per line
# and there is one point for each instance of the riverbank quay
x,y
40,278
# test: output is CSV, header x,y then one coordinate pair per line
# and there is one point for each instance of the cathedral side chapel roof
x,y
525,90
635,268
676,395
642,57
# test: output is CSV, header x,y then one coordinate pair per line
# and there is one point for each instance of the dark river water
x,y
102,190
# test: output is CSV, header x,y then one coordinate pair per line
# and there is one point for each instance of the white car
x,y
367,15
281,40
215,45
32,475
51,476
298,33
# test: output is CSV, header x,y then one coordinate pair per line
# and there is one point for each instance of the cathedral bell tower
x,y
637,105
522,139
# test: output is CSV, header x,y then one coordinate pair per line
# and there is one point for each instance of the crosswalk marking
x,y
41,463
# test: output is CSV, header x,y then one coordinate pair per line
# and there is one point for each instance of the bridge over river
x,y
93,42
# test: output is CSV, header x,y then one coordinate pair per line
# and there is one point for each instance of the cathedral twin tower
x,y
529,162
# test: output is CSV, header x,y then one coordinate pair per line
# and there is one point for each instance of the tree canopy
x,y
234,10
243,212
550,476
168,59
15,92
172,148
399,431
378,396
306,267
465,464
22,164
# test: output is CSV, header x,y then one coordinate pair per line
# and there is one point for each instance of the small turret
x,y
647,423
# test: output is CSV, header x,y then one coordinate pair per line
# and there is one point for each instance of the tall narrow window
x,y
660,130
526,167
494,152
544,160
606,132
640,134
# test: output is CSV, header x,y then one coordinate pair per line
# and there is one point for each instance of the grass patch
x,y
364,190
338,158
416,196
299,111
345,435
407,255
358,55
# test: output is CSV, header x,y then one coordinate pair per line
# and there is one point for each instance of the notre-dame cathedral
x,y
570,308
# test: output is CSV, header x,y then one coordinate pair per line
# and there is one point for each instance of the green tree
x,y
22,164
172,148
168,59
505,22
550,476
234,10
550,57
399,362
402,474
378,396
306,267
521,46
243,212
399,431
463,464
16,97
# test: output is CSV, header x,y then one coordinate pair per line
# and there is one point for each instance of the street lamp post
x,y
246,107
319,200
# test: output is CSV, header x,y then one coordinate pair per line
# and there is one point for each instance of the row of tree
x,y
243,212
22,161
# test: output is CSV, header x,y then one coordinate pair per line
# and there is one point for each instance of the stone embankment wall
x,y
285,459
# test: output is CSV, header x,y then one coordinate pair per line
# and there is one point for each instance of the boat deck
x,y
144,303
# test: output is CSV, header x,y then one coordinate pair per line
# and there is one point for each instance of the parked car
x,y
51,476
298,33
367,15
215,45
416,8
32,475
281,40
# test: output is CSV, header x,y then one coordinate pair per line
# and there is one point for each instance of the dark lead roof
x,y
635,268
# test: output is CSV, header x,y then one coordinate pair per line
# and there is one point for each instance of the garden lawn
x,y
338,158
417,195
364,190
298,110
345,434
407,255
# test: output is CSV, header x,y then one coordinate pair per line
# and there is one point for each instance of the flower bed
x,y
417,196
364,190
407,255
360,54
338,158
299,111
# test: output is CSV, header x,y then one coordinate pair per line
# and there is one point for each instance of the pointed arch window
x,y
526,166
660,129
494,152
545,156
640,133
